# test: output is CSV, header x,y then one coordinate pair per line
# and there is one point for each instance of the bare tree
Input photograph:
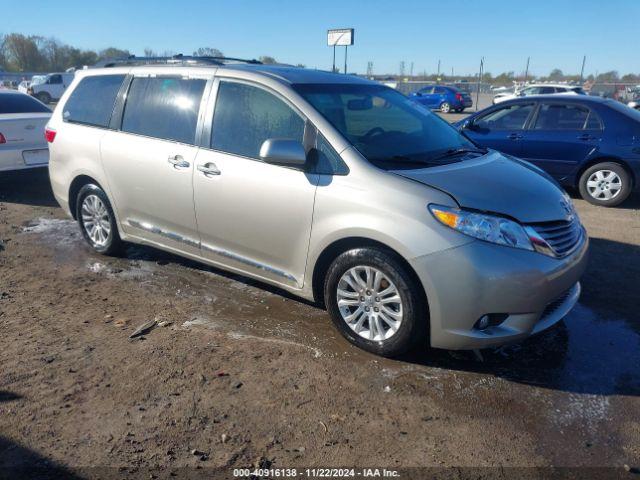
x,y
148,52
22,52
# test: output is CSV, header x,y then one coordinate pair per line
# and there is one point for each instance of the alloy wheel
x,y
369,303
95,220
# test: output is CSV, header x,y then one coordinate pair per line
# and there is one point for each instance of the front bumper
x,y
464,283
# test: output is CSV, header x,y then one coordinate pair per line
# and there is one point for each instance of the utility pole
x,y
402,68
345,59
438,76
526,71
584,60
333,70
479,82
411,71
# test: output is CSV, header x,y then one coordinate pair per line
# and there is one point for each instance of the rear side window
x,y
164,108
246,116
18,103
512,117
557,116
92,101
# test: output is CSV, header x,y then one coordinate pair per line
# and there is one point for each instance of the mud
x,y
269,372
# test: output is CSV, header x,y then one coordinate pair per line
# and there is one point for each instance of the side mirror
x,y
282,151
418,94
468,125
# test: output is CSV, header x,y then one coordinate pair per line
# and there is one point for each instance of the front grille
x,y
562,236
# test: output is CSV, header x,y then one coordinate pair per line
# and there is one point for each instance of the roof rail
x,y
178,59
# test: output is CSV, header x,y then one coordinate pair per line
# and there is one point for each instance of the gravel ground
x,y
238,374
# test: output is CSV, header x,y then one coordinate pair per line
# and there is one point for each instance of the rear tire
x,y
445,107
606,184
382,312
44,97
97,221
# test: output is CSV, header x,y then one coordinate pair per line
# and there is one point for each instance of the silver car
x,y
332,187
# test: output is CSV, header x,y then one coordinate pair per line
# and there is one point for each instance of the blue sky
x,y
554,33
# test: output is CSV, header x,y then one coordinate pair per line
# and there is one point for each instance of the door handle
x,y
209,169
178,162
585,136
514,136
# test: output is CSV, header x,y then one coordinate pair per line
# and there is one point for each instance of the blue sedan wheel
x,y
445,107
605,184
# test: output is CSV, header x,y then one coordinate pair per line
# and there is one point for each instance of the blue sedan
x,y
586,142
443,98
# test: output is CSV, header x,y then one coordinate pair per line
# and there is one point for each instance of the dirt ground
x,y
241,374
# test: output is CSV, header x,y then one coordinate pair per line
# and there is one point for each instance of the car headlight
x,y
489,228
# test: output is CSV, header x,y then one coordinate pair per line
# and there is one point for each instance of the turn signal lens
x,y
448,218
2,139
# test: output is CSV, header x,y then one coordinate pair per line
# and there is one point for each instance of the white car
x,y
541,89
22,138
49,88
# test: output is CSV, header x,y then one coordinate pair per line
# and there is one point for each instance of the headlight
x,y
489,228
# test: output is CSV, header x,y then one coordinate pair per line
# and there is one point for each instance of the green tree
x,y
267,60
113,52
556,75
208,52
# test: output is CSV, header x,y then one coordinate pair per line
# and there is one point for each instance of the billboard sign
x,y
340,37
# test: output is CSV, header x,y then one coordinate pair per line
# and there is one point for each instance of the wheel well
x,y
596,161
340,246
78,182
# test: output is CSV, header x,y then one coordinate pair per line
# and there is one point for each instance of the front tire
x,y
97,221
44,97
445,107
606,184
374,302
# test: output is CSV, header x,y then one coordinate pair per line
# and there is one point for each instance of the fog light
x,y
483,322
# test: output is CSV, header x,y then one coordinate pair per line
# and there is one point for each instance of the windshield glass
x,y
386,127
38,79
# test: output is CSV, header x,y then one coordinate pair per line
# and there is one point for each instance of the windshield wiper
x,y
453,152
404,159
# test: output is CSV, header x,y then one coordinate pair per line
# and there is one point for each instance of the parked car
x,y
443,98
582,141
539,89
634,104
23,86
50,87
22,123
332,187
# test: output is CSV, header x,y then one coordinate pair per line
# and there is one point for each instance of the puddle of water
x,y
56,231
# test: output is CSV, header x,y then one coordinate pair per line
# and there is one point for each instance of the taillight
x,y
49,134
459,97
2,139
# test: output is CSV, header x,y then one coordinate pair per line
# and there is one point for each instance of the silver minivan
x,y
332,187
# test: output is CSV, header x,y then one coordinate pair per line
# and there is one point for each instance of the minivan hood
x,y
499,184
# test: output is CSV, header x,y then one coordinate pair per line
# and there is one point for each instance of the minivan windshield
x,y
387,128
